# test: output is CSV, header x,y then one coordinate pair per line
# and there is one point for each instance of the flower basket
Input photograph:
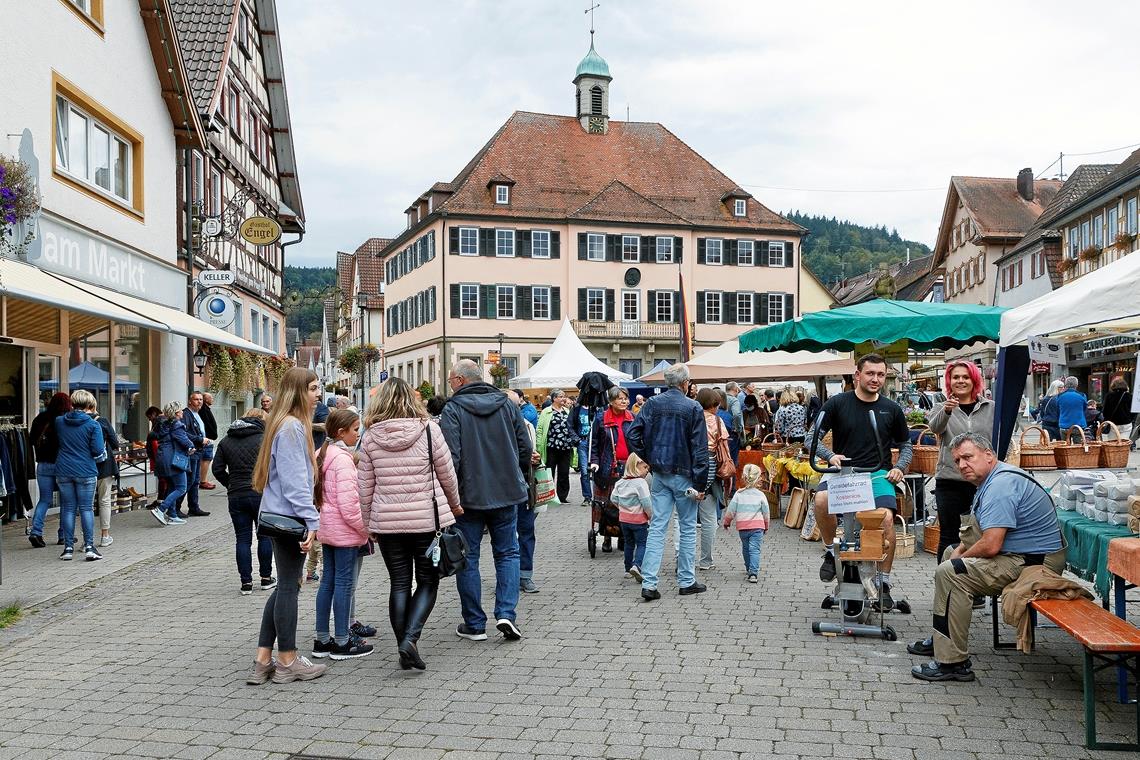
x,y
1077,456
1124,241
1065,264
1037,456
1113,454
1091,253
19,201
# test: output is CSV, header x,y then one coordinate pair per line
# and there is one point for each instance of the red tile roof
x,y
344,273
307,354
618,201
371,270
997,208
560,169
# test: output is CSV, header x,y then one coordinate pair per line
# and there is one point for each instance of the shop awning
x,y
34,284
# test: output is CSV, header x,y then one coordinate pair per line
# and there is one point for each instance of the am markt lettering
x,y
97,261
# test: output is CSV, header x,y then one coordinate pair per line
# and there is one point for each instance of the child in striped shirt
x,y
631,496
749,507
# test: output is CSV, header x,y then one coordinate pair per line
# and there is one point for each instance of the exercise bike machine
x,y
859,553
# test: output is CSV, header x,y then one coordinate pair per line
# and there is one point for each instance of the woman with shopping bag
x,y
608,450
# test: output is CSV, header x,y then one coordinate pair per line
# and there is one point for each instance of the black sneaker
x,y
607,546
924,648
509,630
361,630
885,600
268,583
940,671
696,588
67,554
246,589
91,554
464,631
351,649
322,649
650,594
827,569
36,541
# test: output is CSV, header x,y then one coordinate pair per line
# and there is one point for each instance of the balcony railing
x,y
628,330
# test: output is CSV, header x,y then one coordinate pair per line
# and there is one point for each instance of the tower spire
x,y
590,10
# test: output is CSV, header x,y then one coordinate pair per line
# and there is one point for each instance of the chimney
x,y
1025,184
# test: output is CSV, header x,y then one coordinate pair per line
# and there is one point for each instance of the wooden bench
x,y
1106,638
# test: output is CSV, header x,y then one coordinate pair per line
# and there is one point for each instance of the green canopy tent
x,y
927,327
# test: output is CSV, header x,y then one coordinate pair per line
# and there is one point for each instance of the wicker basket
x,y
1037,456
772,445
1077,456
931,535
1113,454
904,541
925,456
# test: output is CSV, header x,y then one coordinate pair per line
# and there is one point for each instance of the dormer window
x,y
502,194
740,207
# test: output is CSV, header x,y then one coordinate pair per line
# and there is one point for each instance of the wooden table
x,y
1124,565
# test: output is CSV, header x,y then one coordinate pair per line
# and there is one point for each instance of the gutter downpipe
x,y
443,293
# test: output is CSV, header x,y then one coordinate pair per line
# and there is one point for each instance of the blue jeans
x,y
335,593
77,493
243,514
633,535
668,492
193,478
525,531
502,524
750,542
45,482
176,485
584,468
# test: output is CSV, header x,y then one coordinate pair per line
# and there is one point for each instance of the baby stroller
x,y
604,522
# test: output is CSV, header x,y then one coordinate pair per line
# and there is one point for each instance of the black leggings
x,y
408,612
279,618
559,462
953,498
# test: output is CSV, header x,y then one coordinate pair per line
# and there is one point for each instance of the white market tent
x,y
564,363
725,362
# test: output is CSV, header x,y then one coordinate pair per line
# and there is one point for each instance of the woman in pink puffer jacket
x,y
398,484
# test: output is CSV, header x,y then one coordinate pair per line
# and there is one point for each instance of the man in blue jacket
x,y
1071,406
670,435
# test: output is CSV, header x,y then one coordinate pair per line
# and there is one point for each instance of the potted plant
x,y
1124,241
1091,253
19,202
427,390
1065,264
499,375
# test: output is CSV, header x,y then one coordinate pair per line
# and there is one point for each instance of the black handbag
x,y
452,556
270,525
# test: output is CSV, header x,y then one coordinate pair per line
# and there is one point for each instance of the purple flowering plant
x,y
19,199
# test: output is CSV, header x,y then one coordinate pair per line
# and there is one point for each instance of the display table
x,y
1124,565
1087,551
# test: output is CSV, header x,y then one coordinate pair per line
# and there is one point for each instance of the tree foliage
x,y
835,248
308,280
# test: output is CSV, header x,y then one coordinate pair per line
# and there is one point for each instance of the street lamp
x,y
200,359
501,336
362,302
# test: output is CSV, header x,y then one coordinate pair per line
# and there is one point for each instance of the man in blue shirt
x,y
1019,528
1071,406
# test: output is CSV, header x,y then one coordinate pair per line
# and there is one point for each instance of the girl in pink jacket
x,y
400,487
341,534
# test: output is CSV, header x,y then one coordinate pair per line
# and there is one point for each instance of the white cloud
x,y
389,97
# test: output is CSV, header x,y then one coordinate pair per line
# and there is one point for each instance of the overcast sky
x,y
789,99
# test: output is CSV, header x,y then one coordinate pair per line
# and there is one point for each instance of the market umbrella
x,y
927,326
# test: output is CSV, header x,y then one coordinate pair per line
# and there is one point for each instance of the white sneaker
x,y
106,541
509,630
175,520
160,516
708,566
635,572
752,579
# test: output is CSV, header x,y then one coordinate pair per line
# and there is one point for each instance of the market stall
x,y
727,362
564,363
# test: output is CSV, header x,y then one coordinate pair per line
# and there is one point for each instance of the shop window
x,y
132,355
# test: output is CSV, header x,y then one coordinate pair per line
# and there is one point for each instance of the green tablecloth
x,y
1087,553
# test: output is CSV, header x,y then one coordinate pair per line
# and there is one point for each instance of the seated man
x,y
856,444
1018,524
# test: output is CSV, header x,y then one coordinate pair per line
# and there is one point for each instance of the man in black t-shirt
x,y
847,416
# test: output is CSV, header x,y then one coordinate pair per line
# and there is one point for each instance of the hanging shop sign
x,y
260,230
212,278
1040,368
212,226
216,307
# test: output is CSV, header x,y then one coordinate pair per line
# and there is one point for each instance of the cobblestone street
x,y
150,661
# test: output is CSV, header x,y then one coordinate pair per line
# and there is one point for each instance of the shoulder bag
x,y
288,527
180,460
725,467
449,550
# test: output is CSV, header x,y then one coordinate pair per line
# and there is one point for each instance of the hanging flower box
x,y
1124,241
1091,253
19,202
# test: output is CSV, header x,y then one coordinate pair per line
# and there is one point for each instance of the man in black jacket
x,y
491,448
234,461
193,422
210,429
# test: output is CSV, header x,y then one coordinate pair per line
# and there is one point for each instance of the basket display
x,y
931,535
772,445
904,541
1113,454
1037,456
925,456
1077,456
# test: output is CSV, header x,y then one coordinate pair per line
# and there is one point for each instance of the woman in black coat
x,y
608,448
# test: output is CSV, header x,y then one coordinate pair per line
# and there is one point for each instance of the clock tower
x,y
592,88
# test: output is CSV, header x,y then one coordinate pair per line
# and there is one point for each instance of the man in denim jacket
x,y
670,435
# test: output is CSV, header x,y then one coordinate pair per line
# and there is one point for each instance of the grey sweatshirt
x,y
981,420
286,491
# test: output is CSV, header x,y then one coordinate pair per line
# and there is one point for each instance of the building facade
x,y
589,219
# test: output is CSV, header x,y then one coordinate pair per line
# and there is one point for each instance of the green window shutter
x,y
700,307
453,296
487,301
730,253
651,306
431,305
728,307
789,307
677,306
522,243
454,247
788,247
555,245
613,247
582,246
648,249
762,255
678,246
556,303
609,304
762,309
700,250
486,242
582,304
523,302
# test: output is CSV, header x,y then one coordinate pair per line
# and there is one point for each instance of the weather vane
x,y
590,10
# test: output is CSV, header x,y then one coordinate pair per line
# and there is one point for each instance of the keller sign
x,y
209,278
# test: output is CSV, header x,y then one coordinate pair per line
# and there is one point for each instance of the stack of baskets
x,y
1113,454
1076,456
1040,455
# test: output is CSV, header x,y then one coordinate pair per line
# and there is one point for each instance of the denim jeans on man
x,y
502,524
634,536
243,514
335,592
176,482
668,492
77,493
584,468
45,483
750,542
525,530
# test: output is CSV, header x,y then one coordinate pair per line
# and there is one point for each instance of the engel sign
x,y
260,230
210,278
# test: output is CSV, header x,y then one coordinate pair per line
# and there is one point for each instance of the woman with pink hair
x,y
966,410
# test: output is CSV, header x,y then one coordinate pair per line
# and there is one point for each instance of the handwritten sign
x,y
849,493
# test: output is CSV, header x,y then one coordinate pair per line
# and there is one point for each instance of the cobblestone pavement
x,y
150,662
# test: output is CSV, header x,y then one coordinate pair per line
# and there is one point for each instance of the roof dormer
x,y
736,201
500,186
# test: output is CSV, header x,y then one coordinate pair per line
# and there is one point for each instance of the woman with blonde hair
x,y
81,446
172,442
408,487
283,475
791,418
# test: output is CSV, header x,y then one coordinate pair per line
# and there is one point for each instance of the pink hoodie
x,y
396,482
341,521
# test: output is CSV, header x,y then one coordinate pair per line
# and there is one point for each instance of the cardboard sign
x,y
1046,350
849,493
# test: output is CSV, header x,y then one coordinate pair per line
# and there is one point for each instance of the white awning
x,y
31,283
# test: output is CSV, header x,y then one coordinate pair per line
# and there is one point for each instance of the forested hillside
x,y
308,281
837,248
